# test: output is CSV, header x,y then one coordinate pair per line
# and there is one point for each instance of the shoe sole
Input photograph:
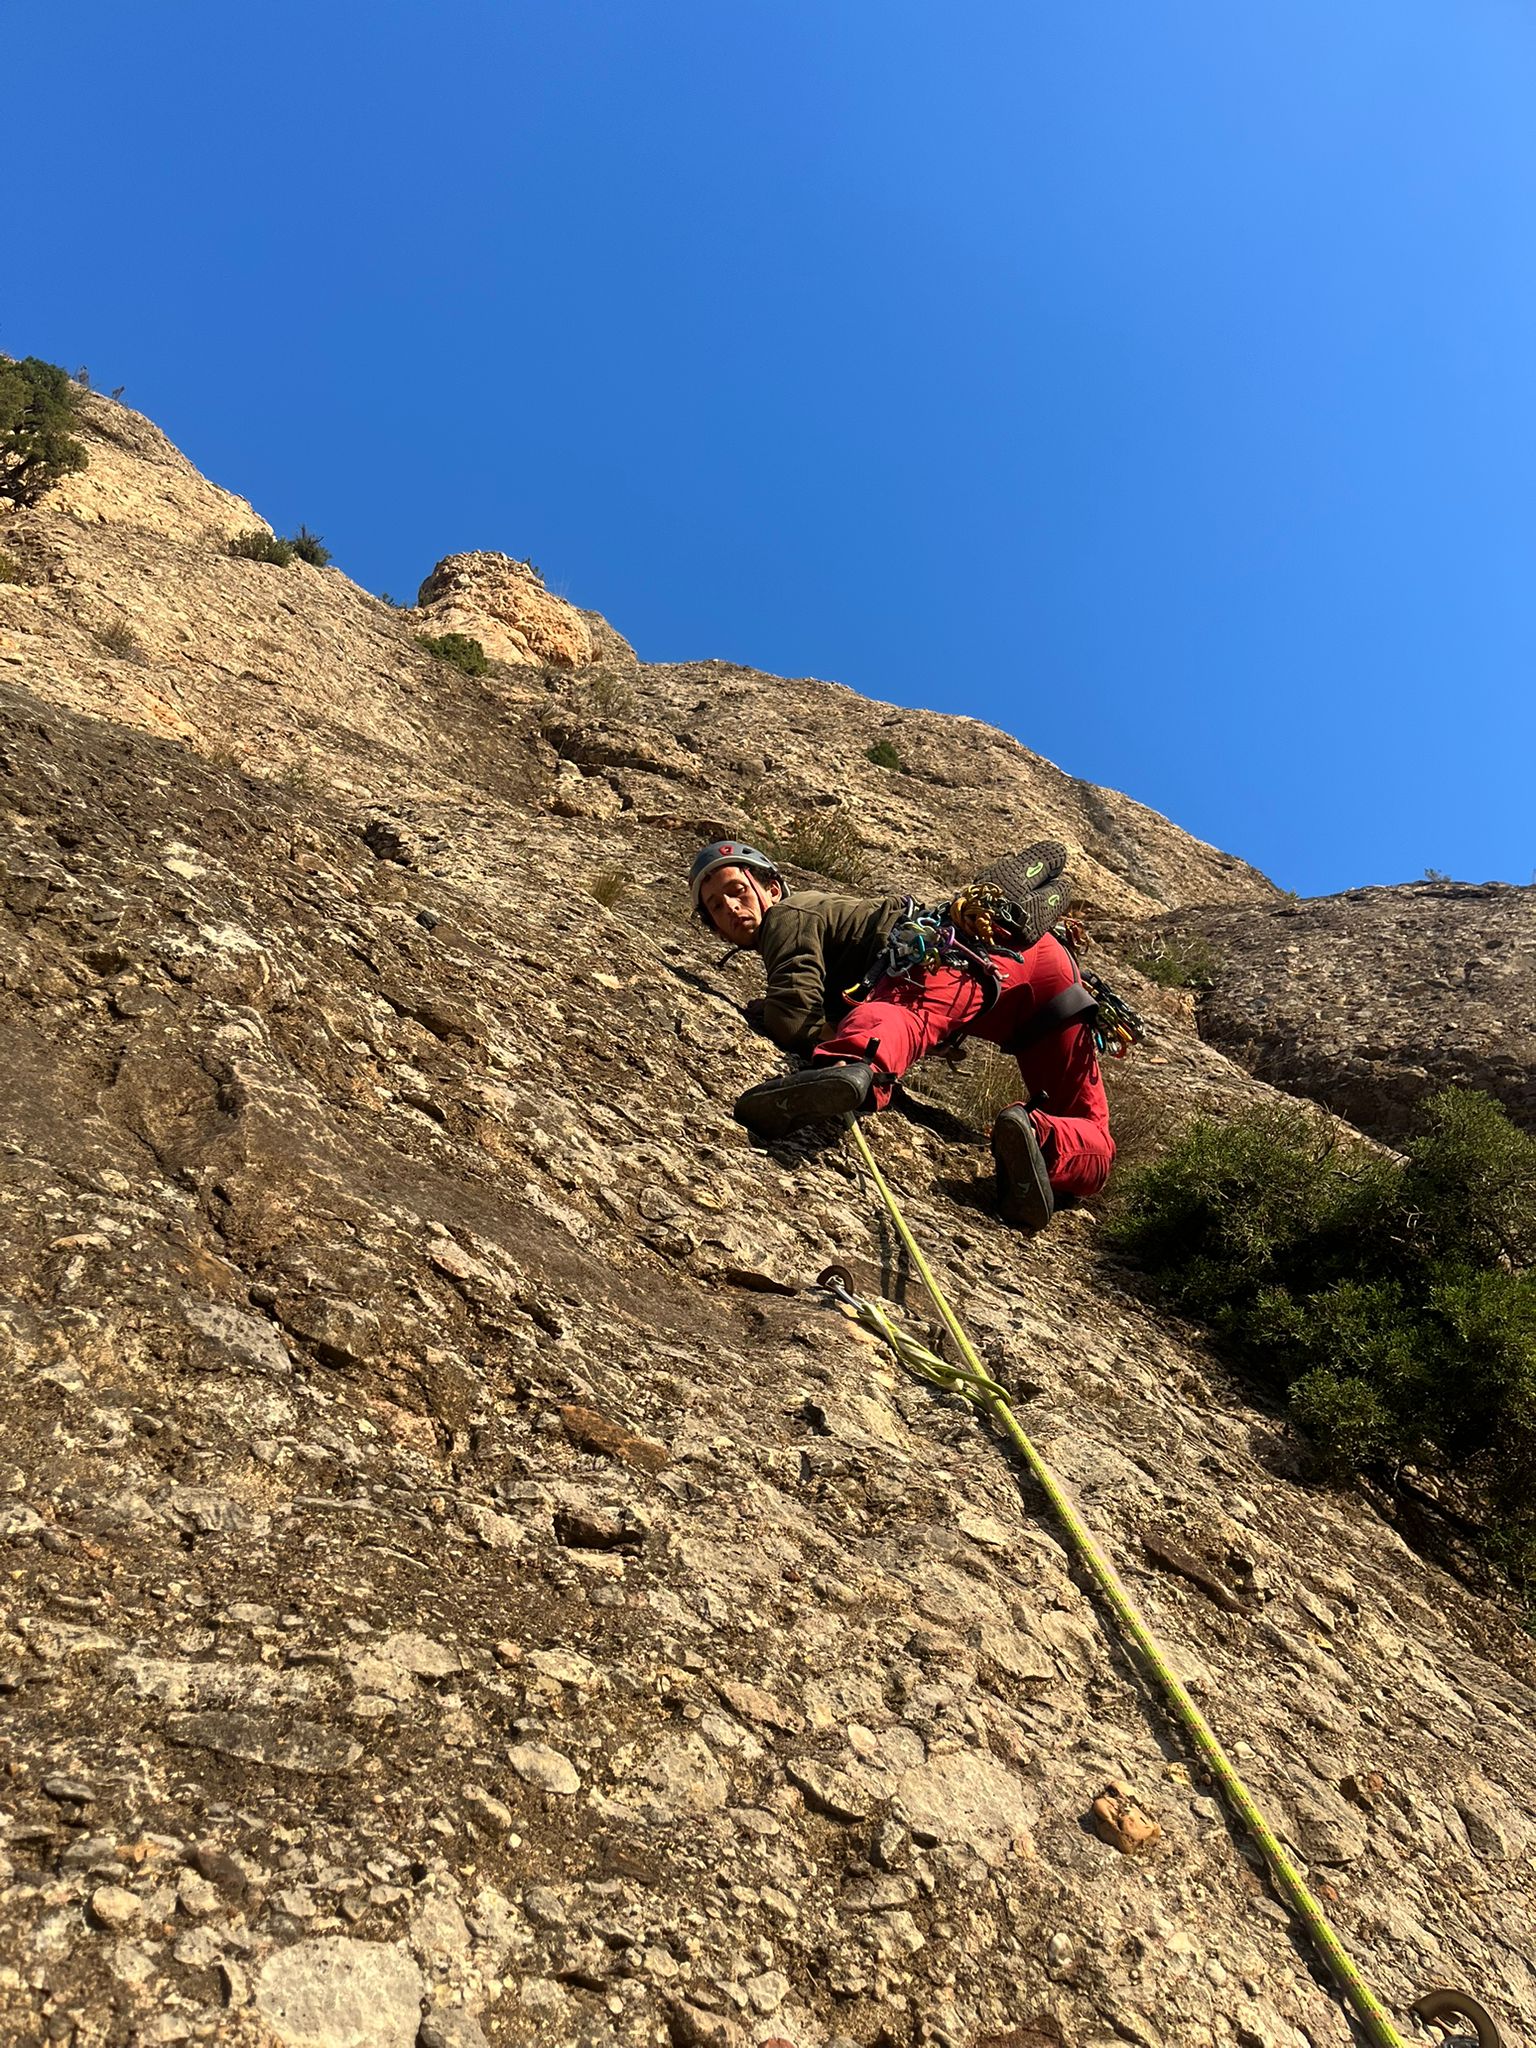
x,y
1023,1184
1032,867
1034,880
809,1098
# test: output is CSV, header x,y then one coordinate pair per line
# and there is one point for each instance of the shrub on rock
x,y
1393,1300
459,650
260,546
309,547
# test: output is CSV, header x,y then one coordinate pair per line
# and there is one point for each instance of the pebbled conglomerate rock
x,y
1371,1000
442,1601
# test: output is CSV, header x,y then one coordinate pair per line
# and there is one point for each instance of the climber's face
x,y
737,902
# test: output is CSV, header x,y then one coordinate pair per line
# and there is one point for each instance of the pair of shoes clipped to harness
x,y
818,1092
1024,1196
1035,882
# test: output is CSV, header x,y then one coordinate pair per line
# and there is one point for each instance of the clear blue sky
x,y
1154,378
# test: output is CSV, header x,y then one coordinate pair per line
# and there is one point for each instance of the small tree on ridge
x,y
37,410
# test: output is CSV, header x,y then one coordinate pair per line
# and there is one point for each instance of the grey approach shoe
x,y
775,1108
1024,1196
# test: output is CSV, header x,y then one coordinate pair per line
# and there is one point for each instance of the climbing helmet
x,y
726,853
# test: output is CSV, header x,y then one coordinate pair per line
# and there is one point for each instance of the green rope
x,y
976,1383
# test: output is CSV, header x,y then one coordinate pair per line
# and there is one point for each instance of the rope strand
x,y
977,1385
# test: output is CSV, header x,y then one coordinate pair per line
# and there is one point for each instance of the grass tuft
x,y
825,842
1179,960
608,885
119,639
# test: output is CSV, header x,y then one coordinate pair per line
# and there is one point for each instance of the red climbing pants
x,y
899,1021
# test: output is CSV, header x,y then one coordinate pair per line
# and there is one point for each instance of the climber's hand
x,y
755,1012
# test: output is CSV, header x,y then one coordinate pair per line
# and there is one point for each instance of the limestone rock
x,y
114,1906
341,1994
972,1801
544,1768
503,604
685,1777
135,478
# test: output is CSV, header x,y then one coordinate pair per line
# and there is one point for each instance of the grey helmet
x,y
726,853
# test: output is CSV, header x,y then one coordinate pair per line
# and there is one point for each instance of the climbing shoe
x,y
775,1108
1024,1196
1034,882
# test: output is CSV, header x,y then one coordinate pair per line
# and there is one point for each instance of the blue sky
x,y
1152,378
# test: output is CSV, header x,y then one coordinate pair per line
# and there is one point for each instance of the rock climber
x,y
861,1034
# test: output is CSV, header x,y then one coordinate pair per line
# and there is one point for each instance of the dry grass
x,y
119,638
1142,1120
981,1088
824,843
1179,960
608,885
297,777
608,694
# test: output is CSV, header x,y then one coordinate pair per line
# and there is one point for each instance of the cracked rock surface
x,y
459,1585
1371,1000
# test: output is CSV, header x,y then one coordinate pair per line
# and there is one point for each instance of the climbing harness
x,y
924,937
972,1380
966,932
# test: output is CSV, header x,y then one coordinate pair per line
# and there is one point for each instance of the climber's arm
x,y
793,950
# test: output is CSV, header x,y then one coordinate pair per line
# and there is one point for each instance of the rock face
x,y
136,479
1371,1000
444,1594
503,604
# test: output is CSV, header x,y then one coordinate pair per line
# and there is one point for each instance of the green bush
x,y
884,755
38,408
11,570
1179,960
459,650
609,695
309,547
260,546
1393,1300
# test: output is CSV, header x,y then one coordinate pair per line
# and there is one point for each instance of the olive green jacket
x,y
815,946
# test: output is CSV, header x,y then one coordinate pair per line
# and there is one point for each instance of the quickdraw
x,y
965,932
1117,1030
